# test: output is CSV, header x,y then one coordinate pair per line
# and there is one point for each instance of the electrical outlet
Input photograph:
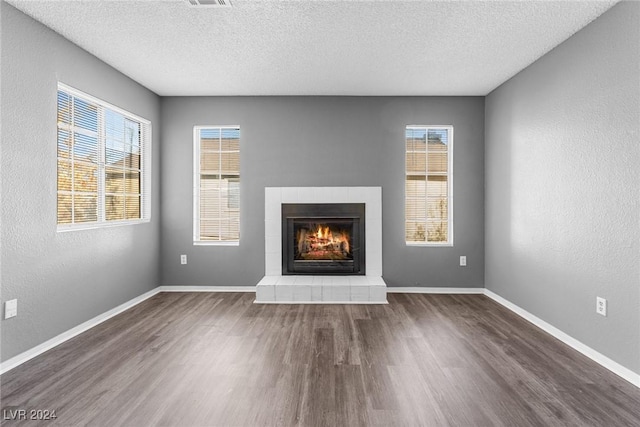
x,y
183,259
601,306
11,309
463,260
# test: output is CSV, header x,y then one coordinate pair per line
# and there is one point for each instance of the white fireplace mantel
x,y
276,288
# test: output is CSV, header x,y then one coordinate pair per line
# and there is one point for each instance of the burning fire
x,y
321,242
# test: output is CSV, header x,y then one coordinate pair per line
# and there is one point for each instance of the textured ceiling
x,y
317,47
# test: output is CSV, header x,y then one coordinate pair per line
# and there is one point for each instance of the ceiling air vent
x,y
210,3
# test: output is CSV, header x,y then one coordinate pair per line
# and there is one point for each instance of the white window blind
x,y
103,163
216,185
428,211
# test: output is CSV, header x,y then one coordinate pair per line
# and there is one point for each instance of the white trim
x,y
206,288
592,354
196,184
449,175
65,336
422,290
144,168
428,244
63,228
196,187
216,243
80,94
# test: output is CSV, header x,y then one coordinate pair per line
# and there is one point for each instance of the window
x,y
428,212
103,163
216,204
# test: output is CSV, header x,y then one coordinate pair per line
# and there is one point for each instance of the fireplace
x,y
323,238
323,286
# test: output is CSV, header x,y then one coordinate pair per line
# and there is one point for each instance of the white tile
x,y
374,272
339,194
358,281
287,280
284,293
269,280
322,195
272,193
316,292
373,230
273,227
290,195
306,195
273,271
374,259
374,193
301,292
359,293
304,280
374,210
373,227
273,244
376,281
273,212
378,294
357,194
339,280
265,293
336,293
272,196
273,263
272,204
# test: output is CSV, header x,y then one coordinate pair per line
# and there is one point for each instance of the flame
x,y
324,233
320,238
344,238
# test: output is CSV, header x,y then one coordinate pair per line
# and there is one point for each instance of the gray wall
x,y
60,279
358,141
563,186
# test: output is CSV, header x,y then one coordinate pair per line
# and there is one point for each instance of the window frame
x,y
449,175
197,241
101,195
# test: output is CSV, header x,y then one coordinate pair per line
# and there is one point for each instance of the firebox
x,y
323,238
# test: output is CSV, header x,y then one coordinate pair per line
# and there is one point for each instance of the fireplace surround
x,y
279,287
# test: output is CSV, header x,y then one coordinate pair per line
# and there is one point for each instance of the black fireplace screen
x,y
323,238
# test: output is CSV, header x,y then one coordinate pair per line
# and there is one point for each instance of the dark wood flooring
x,y
200,359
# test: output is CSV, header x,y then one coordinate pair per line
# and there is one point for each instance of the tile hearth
x,y
353,289
322,289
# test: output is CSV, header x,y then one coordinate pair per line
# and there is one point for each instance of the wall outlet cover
x,y
601,306
11,308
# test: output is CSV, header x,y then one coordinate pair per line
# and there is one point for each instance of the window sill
x,y
215,243
94,226
430,245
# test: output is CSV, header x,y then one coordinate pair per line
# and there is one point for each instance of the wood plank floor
x,y
199,359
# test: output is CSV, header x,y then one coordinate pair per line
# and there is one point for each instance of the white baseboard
x,y
421,290
65,336
206,288
592,354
